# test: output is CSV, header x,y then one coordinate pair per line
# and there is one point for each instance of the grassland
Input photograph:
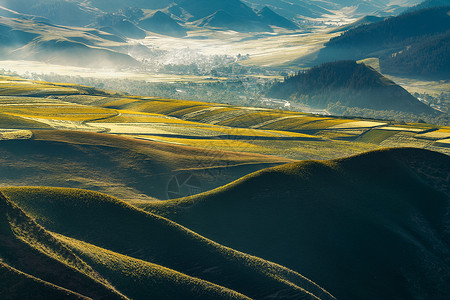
x,y
210,126
132,169
141,253
345,216
375,222
14,122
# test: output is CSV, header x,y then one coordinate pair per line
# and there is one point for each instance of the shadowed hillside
x,y
28,247
394,36
360,22
372,226
274,19
349,84
142,254
430,58
232,14
124,167
56,272
161,23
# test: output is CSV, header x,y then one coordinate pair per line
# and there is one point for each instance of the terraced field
x,y
41,105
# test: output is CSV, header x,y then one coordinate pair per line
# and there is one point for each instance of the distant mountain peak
x,y
349,83
270,17
224,19
162,23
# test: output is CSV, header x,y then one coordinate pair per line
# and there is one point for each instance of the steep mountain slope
x,y
28,39
306,9
119,23
360,22
372,226
30,248
223,20
390,37
299,9
349,84
430,58
203,8
135,238
270,17
162,23
124,167
115,5
428,4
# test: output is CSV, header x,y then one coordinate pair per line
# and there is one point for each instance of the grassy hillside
x,y
128,168
28,247
18,285
59,273
13,122
372,226
138,242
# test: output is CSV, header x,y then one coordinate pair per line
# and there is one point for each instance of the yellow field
x,y
204,125
56,112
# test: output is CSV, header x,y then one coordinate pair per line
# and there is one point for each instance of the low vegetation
x,y
150,248
367,227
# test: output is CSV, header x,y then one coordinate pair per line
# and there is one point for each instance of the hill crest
x,y
349,83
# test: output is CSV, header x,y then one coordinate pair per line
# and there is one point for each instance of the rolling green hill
x,y
141,254
127,168
44,262
372,226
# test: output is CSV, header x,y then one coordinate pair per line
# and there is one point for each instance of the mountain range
x,y
414,43
232,14
29,38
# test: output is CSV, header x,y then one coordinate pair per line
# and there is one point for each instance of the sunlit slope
x,y
373,226
13,122
29,252
128,168
287,133
62,268
18,285
27,104
111,224
139,279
